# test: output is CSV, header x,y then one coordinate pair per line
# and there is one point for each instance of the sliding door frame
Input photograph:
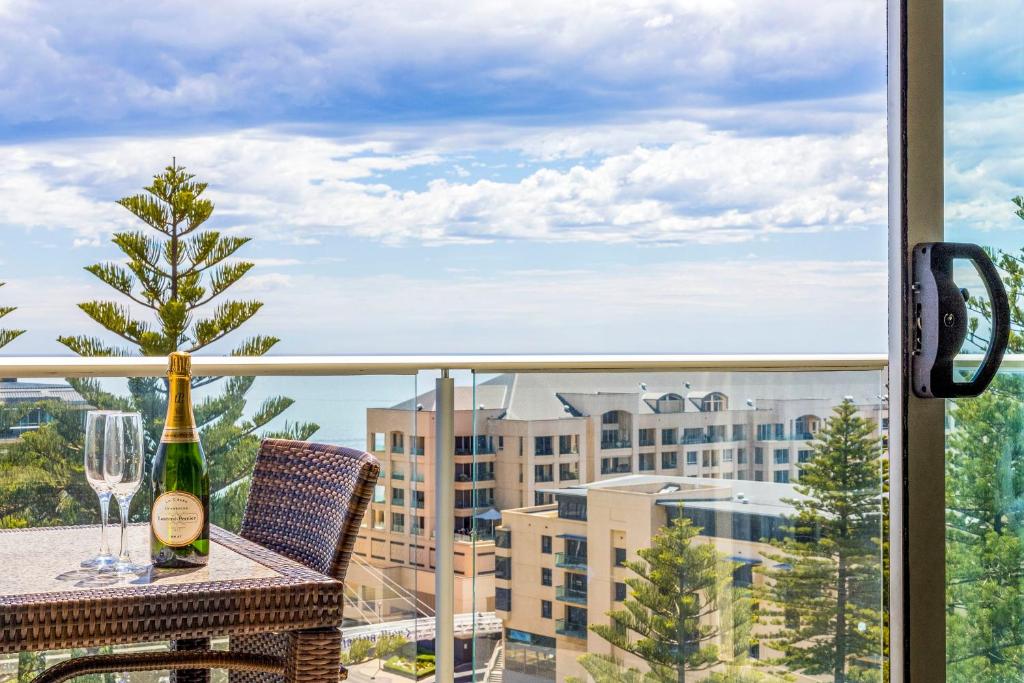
x,y
917,427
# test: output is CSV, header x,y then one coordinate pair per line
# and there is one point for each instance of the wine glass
x,y
94,449
122,470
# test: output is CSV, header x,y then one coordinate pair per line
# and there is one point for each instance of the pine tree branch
x,y
255,346
222,278
208,249
7,336
227,318
148,210
141,250
117,319
91,346
119,279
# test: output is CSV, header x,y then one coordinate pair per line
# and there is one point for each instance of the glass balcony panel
x,y
572,629
381,586
742,520
723,499
983,460
570,594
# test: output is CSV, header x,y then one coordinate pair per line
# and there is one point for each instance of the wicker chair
x,y
306,502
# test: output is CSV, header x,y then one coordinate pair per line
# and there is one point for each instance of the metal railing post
x,y
444,528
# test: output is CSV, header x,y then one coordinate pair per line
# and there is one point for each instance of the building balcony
x,y
569,594
482,535
570,561
485,450
571,629
612,444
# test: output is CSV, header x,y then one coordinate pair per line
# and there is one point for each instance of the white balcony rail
x,y
140,366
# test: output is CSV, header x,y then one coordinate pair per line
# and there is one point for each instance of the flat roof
x,y
732,505
733,495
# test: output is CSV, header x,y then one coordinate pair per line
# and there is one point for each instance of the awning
x,y
744,560
491,515
573,537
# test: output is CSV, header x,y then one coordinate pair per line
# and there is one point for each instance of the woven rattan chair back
x,y
307,500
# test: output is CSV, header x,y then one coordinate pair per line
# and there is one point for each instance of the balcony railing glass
x,y
569,594
570,561
572,629
757,526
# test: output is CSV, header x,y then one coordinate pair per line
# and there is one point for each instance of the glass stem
x,y
104,514
123,503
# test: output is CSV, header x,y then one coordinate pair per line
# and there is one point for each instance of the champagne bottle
x,y
180,521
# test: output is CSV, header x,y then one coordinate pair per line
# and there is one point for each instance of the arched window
x,y
806,426
714,402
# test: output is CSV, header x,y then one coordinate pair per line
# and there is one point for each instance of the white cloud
x,y
702,187
705,307
263,282
275,262
110,61
721,306
984,166
660,21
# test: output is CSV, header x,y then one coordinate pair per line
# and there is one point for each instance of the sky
x,y
701,176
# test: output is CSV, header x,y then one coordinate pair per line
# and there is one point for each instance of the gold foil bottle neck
x,y
180,425
179,364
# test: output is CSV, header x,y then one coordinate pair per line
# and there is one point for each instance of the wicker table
x,y
47,603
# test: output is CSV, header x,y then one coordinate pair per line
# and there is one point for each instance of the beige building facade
x,y
522,437
560,566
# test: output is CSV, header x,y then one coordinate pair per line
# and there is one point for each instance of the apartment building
x,y
23,405
531,434
398,536
560,566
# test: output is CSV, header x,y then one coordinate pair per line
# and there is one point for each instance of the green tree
x,y
664,620
825,593
985,506
7,336
389,644
178,273
42,478
359,651
984,531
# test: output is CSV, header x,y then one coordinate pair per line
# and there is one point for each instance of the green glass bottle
x,y
180,520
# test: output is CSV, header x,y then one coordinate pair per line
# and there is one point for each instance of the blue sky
x,y
698,176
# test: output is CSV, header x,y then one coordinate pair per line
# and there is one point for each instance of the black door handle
x,y
940,320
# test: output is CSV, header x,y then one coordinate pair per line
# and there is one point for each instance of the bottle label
x,y
177,518
179,435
